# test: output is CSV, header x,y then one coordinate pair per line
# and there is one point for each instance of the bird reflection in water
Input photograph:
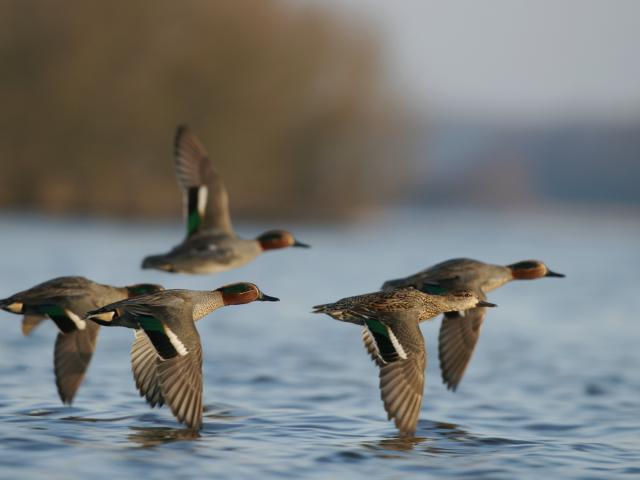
x,y
439,437
149,437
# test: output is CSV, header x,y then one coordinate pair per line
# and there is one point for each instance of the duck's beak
x,y
267,298
554,274
482,303
300,244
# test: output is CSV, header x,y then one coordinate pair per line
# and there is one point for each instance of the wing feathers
x,y
401,388
72,355
30,322
181,382
456,343
143,365
205,196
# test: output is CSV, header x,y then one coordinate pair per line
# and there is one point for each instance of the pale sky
x,y
536,59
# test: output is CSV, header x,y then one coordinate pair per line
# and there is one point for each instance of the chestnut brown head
x,y
243,292
274,239
531,269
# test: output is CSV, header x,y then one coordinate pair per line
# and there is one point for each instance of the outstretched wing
x,y
458,337
72,355
205,196
144,366
396,344
181,382
372,347
178,367
402,389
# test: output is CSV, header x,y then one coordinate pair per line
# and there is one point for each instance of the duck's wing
x,y
458,337
397,346
30,322
178,365
372,347
205,196
144,366
72,354
181,382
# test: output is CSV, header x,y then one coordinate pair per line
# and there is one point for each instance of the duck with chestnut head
x,y
211,245
166,356
65,301
391,334
460,330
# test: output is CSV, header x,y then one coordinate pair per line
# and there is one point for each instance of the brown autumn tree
x,y
288,100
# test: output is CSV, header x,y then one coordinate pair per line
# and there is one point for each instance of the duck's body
x,y
207,253
166,356
393,339
460,330
211,245
66,300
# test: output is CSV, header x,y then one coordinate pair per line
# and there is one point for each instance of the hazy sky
x,y
513,58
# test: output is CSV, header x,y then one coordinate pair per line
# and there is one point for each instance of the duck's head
x,y
243,292
530,270
274,239
142,289
158,262
457,300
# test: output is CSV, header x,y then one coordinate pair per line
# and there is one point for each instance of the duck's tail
x,y
103,316
324,308
337,313
11,305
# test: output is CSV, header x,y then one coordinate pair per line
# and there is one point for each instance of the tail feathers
x,y
325,308
102,316
11,305
338,313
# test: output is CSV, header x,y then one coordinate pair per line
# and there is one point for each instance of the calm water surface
x,y
553,389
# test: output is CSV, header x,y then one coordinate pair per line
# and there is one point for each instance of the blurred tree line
x,y
289,100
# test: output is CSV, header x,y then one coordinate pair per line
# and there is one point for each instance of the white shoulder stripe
x,y
175,341
396,344
78,322
203,194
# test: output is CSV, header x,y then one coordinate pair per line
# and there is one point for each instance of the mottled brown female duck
x,y
393,339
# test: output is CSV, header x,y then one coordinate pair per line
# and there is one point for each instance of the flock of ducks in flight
x,y
166,356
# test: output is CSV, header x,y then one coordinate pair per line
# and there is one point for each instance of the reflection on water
x,y
553,389
153,436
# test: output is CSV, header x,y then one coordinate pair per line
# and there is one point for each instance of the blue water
x,y
553,389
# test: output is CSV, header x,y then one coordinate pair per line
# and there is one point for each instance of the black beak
x,y
482,303
554,274
301,245
267,298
